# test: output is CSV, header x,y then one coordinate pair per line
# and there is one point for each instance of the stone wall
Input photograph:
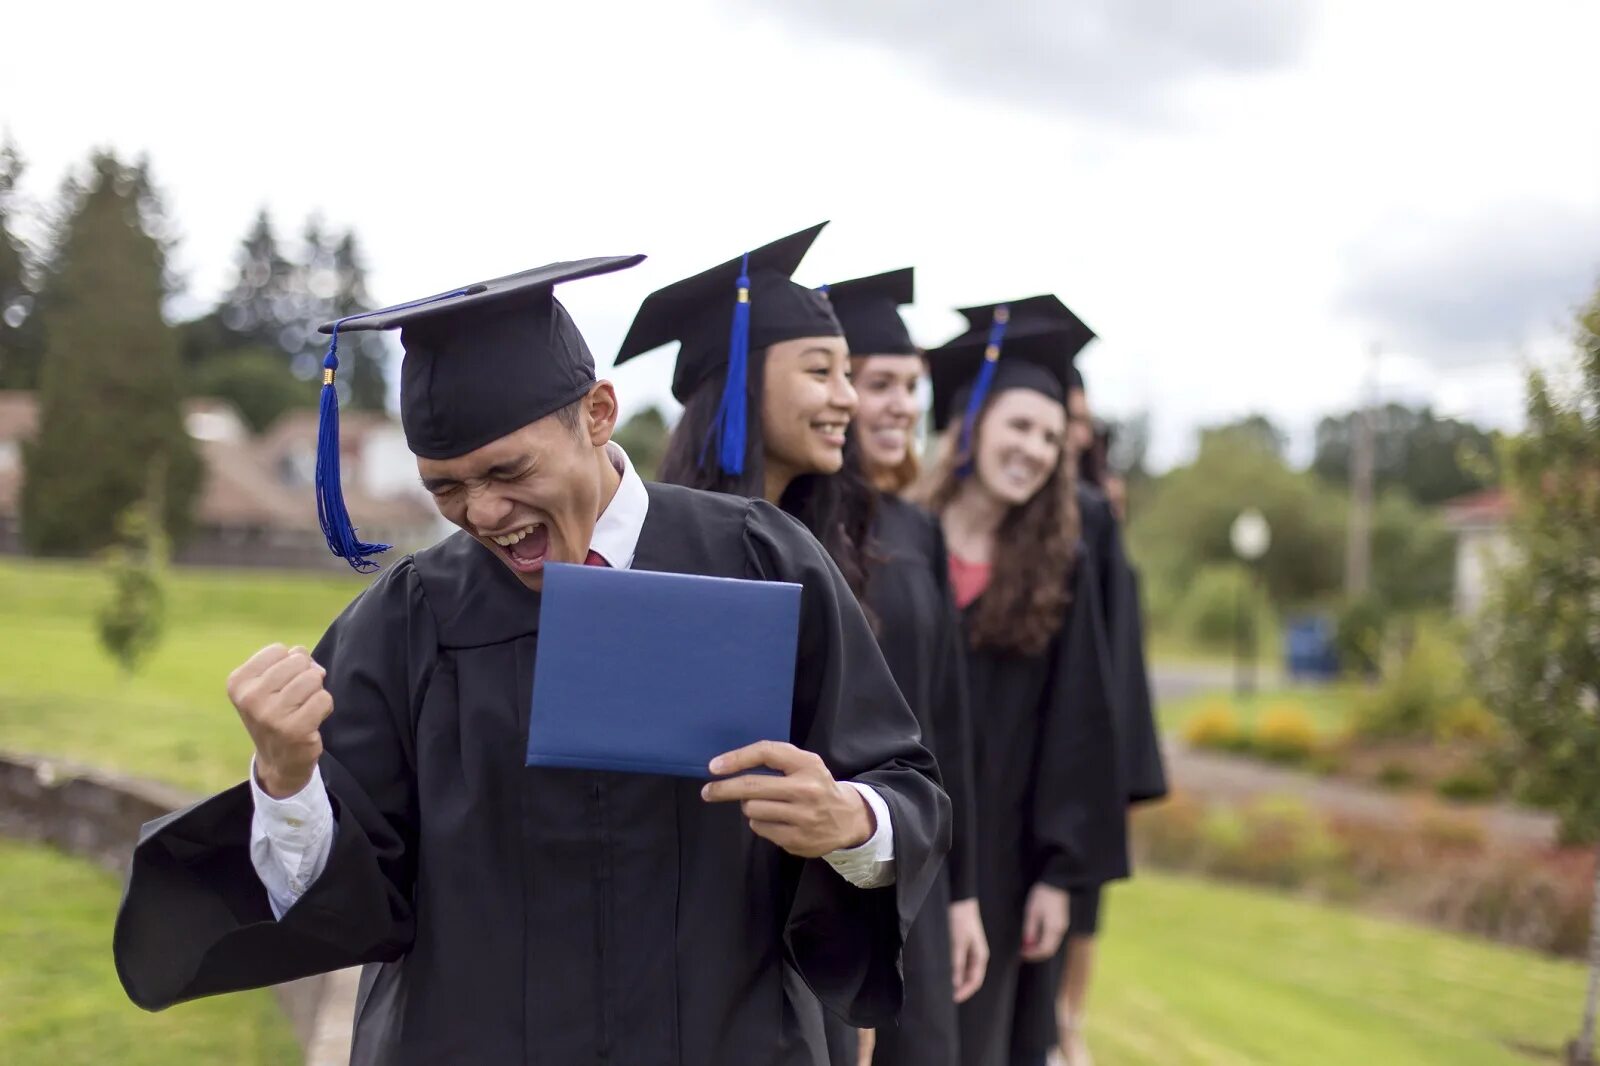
x,y
96,815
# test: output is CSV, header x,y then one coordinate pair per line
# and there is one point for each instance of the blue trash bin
x,y
1309,649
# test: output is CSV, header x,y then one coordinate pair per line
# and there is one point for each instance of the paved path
x,y
1213,775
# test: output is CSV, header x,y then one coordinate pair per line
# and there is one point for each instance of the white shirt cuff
x,y
869,865
290,839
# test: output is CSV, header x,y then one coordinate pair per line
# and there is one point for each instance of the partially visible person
x,y
908,593
1047,779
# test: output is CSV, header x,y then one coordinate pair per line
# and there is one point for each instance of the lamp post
x,y
1250,536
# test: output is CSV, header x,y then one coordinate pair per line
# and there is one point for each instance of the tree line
x,y
84,324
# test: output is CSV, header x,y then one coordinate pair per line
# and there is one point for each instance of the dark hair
x,y
1035,550
1095,463
838,509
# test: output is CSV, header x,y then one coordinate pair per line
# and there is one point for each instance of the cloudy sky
x,y
1243,199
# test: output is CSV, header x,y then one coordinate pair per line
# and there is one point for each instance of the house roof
x,y
1489,507
245,486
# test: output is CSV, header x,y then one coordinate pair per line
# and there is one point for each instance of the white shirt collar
x,y
616,534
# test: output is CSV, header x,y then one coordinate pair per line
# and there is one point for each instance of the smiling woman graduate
x,y
511,914
1050,796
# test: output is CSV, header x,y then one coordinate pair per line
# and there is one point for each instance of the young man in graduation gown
x,y
510,914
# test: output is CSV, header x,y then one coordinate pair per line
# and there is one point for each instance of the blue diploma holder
x,y
655,673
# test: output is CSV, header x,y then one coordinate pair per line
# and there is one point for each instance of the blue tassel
x,y
331,512
730,425
980,387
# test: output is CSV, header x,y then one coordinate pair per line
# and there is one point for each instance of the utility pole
x,y
1363,463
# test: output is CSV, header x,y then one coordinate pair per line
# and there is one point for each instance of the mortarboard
x,y
719,315
480,361
869,311
1039,336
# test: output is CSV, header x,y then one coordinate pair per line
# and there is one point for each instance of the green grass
x,y
61,1005
1330,706
60,694
1197,973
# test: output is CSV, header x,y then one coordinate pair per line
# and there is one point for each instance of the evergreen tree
x,y
363,363
270,316
109,396
19,334
261,302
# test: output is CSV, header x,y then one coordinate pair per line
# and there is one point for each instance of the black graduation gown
x,y
1138,741
541,916
919,631
1138,737
1049,792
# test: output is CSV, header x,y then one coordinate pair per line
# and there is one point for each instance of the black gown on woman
x,y
919,632
1050,793
1138,744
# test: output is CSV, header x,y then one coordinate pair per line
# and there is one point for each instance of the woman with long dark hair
x,y
1046,776
908,592
766,404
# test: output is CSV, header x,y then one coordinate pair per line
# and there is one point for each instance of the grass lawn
x,y
61,1005
1330,706
60,693
1209,975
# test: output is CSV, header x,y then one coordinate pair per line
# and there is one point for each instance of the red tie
x,y
594,559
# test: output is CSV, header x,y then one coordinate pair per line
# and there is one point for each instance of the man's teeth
x,y
511,538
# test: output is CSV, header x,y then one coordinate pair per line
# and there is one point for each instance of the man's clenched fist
x,y
279,696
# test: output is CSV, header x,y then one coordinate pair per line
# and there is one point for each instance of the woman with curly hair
x,y
1050,799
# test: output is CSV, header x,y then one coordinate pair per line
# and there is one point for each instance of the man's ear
x,y
600,413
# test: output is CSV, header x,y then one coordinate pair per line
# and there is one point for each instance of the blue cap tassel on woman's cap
x,y
980,387
730,425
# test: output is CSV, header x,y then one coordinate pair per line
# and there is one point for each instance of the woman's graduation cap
x,y
1040,337
719,315
480,362
869,310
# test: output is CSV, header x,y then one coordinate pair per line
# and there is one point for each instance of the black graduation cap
x,y
1027,343
869,311
480,361
719,315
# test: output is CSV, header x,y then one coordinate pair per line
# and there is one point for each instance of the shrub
x,y
1468,720
1286,733
1396,775
1441,867
1358,636
1214,726
1447,831
1471,784
1211,608
1411,701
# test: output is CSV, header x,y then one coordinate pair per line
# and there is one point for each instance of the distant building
x,y
1483,543
257,506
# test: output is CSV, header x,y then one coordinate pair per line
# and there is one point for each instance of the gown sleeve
x,y
1080,802
195,919
952,719
1143,768
844,941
